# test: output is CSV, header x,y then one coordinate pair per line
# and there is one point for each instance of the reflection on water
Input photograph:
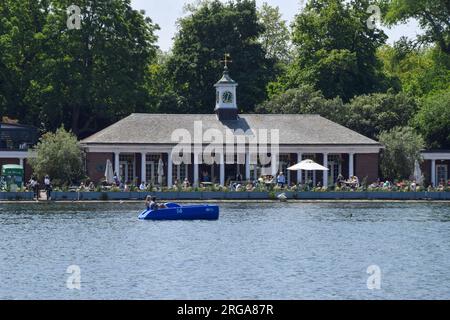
x,y
255,251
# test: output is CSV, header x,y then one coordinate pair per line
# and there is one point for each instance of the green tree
x,y
433,120
85,79
276,38
433,17
60,156
210,30
402,149
374,113
304,100
20,23
335,50
418,71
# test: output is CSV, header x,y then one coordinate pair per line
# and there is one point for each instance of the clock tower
x,y
226,106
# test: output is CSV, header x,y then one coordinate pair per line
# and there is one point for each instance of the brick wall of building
x,y
366,165
96,165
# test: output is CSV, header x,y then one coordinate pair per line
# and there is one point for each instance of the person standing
x,y
281,180
34,185
48,187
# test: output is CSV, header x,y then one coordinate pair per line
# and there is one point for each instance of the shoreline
x,y
42,202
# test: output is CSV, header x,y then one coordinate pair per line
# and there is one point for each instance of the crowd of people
x,y
34,186
264,183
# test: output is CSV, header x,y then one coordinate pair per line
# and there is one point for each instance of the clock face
x,y
227,97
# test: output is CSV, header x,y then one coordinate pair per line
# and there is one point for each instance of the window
x,y
127,167
308,175
151,168
441,173
335,166
179,172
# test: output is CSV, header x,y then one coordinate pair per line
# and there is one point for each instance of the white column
x,y
144,167
196,180
21,162
433,172
274,164
351,164
222,169
117,164
247,166
325,173
169,169
299,172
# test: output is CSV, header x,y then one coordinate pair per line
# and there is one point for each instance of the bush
x,y
402,150
60,156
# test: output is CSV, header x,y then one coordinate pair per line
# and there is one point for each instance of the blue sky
x,y
166,12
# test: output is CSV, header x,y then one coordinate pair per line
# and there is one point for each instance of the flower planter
x,y
258,195
16,196
213,195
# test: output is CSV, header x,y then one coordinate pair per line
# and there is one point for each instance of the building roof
x,y
294,129
226,79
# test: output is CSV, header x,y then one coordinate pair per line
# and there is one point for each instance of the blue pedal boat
x,y
174,211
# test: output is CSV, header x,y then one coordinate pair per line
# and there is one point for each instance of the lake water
x,y
255,251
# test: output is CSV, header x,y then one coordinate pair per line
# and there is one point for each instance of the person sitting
x,y
206,177
186,183
116,180
340,180
143,186
151,204
82,187
249,186
414,186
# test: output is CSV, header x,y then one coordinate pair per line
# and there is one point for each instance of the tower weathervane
x,y
226,61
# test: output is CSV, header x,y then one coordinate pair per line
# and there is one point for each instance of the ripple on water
x,y
255,251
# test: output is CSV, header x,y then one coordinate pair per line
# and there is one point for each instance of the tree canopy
x,y
374,113
60,156
83,78
433,119
209,31
335,50
402,149
433,17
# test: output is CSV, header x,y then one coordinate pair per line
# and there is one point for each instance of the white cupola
x,y
226,105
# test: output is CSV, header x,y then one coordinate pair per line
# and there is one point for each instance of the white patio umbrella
x,y
308,165
418,173
160,171
109,172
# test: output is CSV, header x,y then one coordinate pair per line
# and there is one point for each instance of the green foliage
x,y
403,146
418,70
374,113
433,120
276,38
335,51
209,31
60,156
85,78
433,17
304,100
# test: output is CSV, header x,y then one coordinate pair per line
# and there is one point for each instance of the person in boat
x,y
152,205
